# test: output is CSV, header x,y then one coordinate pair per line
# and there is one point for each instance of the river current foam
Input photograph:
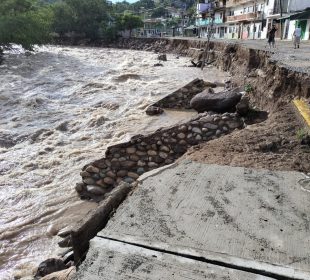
x,y
60,108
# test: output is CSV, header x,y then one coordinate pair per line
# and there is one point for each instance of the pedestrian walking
x,y
271,36
297,36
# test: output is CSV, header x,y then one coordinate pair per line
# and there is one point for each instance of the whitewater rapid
x,y
60,108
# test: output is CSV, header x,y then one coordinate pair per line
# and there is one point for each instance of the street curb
x,y
303,110
96,221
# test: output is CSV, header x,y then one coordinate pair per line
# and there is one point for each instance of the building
x,y
153,27
204,18
301,19
245,19
286,15
251,19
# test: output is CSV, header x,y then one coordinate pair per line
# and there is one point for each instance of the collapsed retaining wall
x,y
180,99
127,161
273,84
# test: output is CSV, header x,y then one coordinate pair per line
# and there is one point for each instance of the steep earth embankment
x,y
274,144
271,82
271,144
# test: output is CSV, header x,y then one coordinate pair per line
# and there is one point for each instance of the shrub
x,y
248,88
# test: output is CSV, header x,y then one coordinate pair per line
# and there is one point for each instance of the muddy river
x,y
59,109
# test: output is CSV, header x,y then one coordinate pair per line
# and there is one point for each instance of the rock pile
x,y
180,99
127,161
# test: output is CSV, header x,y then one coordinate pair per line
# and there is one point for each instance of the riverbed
x,y
60,108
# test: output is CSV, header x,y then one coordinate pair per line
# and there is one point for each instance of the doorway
x,y
303,27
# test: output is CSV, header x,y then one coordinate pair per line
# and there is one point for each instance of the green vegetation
x,y
248,88
84,17
301,133
30,22
24,22
129,22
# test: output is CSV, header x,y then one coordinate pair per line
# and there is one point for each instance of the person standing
x,y
271,36
297,36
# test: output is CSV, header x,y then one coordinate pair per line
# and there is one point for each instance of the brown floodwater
x,y
60,107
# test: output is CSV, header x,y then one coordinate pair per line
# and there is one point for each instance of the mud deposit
x,y
60,108
272,145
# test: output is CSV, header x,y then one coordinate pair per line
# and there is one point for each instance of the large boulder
x,y
162,57
221,102
153,110
243,107
49,266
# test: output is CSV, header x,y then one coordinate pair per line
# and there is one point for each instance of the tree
x,y
64,18
24,22
143,4
129,22
159,12
120,7
172,22
81,16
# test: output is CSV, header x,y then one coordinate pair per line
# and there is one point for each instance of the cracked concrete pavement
x,y
210,221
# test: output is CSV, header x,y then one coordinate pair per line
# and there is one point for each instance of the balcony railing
x,y
244,17
207,21
203,8
231,3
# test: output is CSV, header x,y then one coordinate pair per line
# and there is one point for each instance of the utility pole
x,y
198,20
281,36
182,23
255,16
205,56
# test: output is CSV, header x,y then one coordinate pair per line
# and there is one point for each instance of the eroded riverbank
x,y
61,107
97,98
270,90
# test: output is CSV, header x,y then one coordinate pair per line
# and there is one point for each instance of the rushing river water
x,y
60,108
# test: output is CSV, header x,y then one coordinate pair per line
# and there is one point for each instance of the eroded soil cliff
x,y
274,144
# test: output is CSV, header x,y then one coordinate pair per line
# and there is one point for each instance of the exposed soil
x,y
272,144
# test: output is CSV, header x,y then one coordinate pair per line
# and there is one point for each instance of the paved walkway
x,y
284,53
198,221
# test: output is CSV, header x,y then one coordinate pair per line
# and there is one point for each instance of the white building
x,y
251,19
203,21
245,19
287,16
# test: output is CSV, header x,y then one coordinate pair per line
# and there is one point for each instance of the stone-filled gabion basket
x,y
127,161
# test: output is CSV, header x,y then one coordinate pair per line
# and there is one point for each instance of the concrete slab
x,y
115,261
252,219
